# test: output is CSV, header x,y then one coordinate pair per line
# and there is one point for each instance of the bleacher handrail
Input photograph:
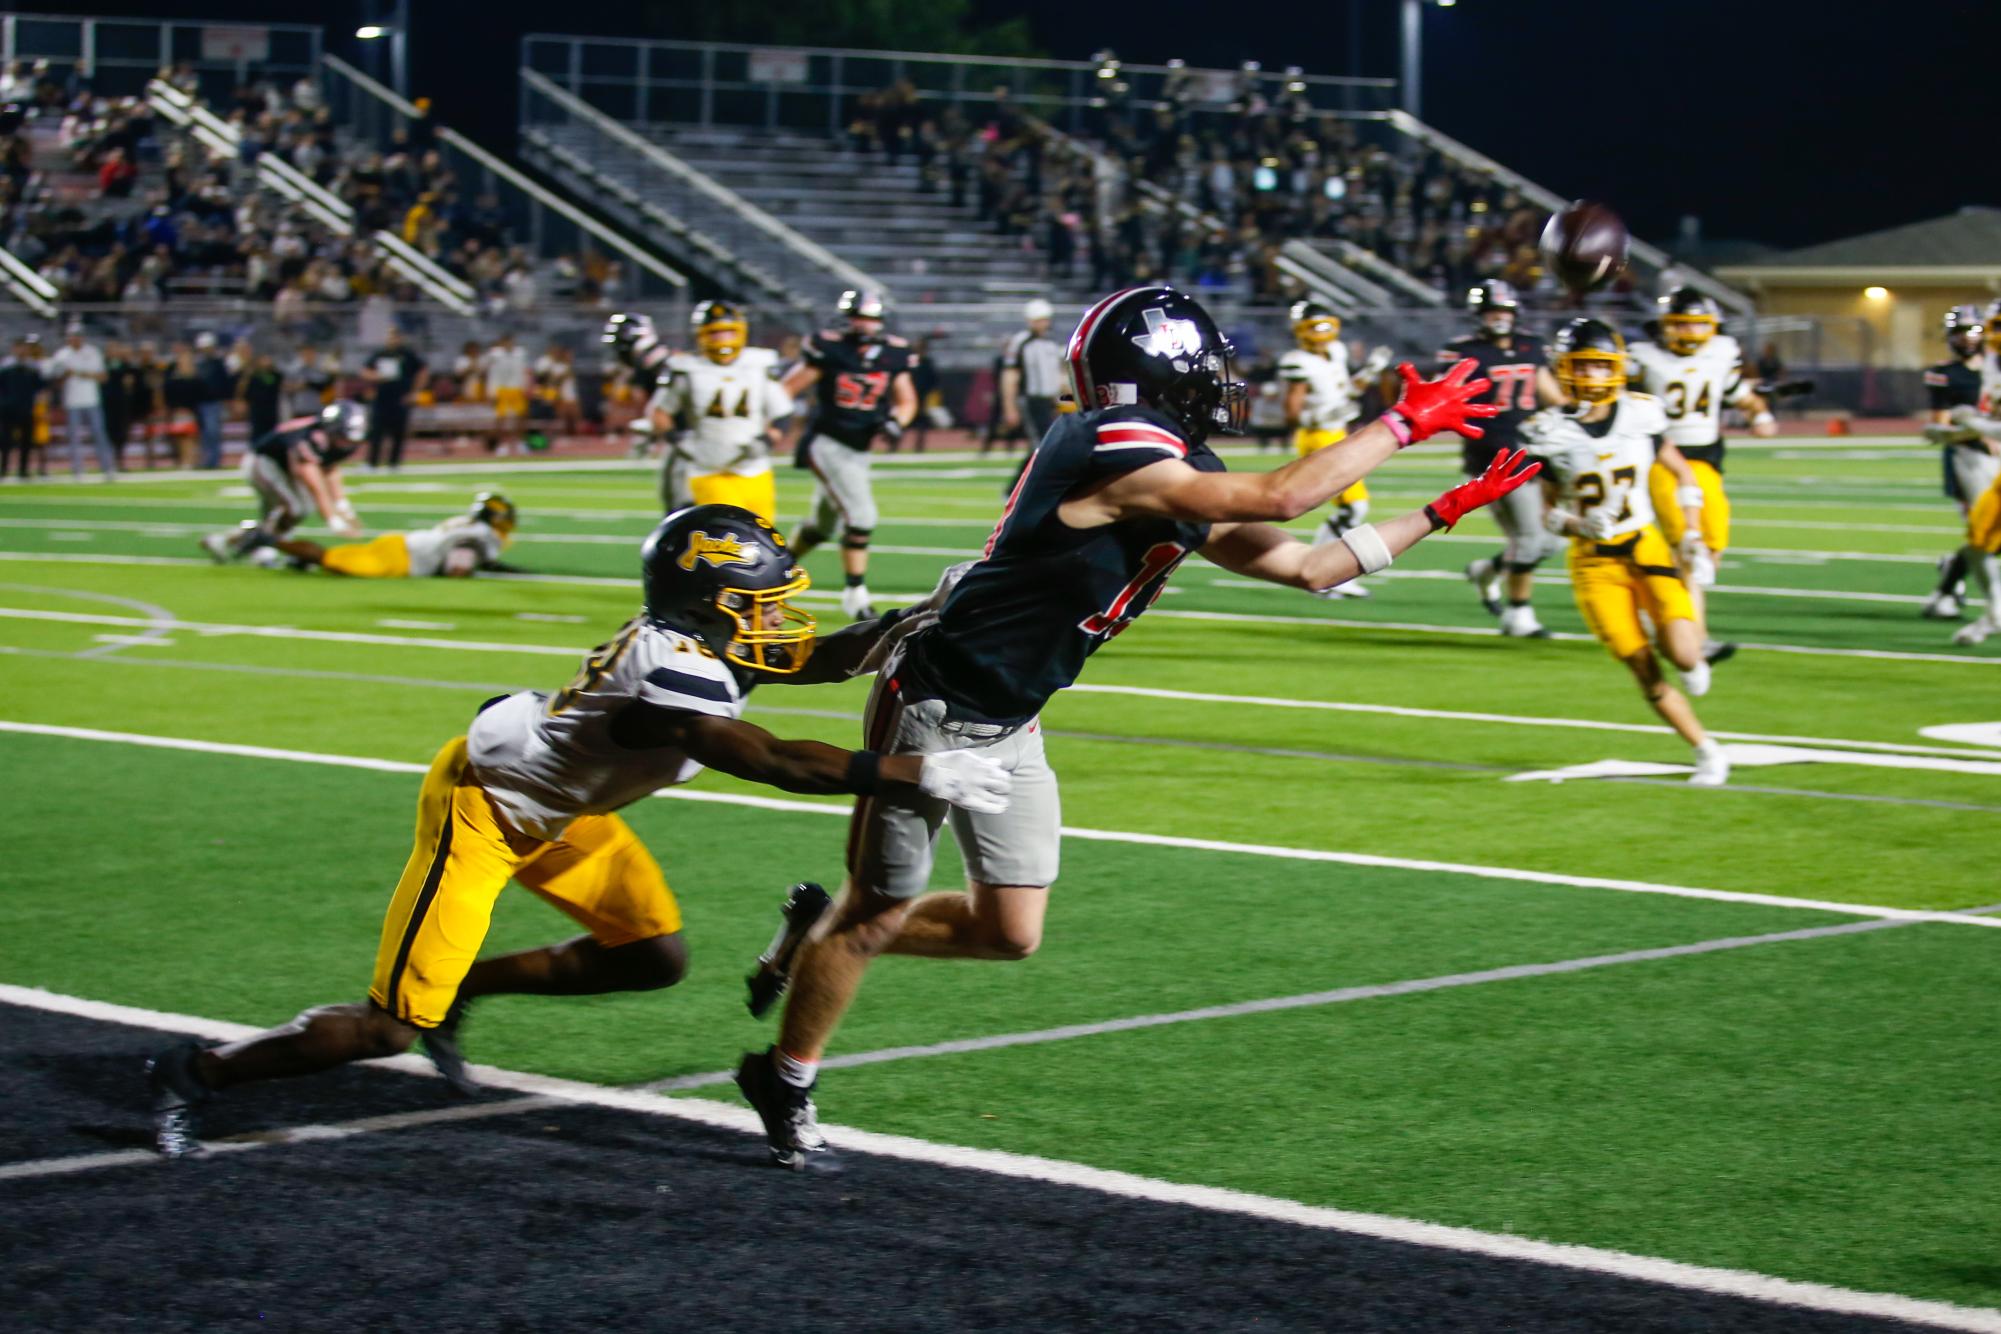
x,y
817,255
610,239
1655,258
31,289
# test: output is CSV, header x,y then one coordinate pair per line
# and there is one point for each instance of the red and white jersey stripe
x,y
1139,435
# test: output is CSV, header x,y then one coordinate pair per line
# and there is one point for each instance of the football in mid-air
x,y
1585,246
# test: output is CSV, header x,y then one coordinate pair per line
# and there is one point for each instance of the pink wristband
x,y
1398,426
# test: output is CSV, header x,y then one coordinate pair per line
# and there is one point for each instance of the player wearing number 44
x,y
1598,453
1113,498
529,794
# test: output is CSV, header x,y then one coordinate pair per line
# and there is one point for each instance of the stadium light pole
x,y
1411,84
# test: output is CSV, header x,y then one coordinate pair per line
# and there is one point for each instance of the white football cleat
x,y
218,547
1942,605
1977,631
1695,680
1521,623
1712,766
856,605
1485,576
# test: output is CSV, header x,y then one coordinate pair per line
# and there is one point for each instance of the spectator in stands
x,y
20,391
216,387
397,375
504,369
116,175
469,385
77,369
556,387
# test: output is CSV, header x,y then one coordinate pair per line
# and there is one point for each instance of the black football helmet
x,y
1157,346
1964,330
1495,305
345,420
719,572
634,341
1688,319
1594,346
861,305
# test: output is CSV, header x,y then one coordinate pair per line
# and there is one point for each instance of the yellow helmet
x,y
495,511
1314,325
720,330
1688,320
1589,358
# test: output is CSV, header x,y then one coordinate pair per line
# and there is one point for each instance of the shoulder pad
x,y
687,677
1648,416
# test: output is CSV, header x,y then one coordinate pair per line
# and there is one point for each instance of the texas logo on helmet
x,y
1166,337
715,550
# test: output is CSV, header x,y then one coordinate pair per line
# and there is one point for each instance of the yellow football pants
x,y
1615,581
1715,505
757,494
1305,442
387,557
1983,522
598,872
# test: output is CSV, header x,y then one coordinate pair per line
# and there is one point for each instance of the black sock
x,y
1954,573
856,580
1518,602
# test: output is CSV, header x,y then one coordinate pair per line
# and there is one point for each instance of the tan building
x,y
1878,298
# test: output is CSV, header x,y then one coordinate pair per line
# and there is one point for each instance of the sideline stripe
x,y
1071,831
205,628
1590,1259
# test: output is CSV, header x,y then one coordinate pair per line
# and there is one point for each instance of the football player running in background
x,y
1696,372
864,389
529,793
1320,401
1971,463
294,470
1116,495
724,397
1599,452
1515,363
456,549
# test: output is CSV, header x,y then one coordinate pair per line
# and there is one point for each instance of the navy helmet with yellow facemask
x,y
1588,358
718,573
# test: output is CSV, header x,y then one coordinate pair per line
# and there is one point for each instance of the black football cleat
x,y
176,1093
441,1044
791,1125
805,904
1718,651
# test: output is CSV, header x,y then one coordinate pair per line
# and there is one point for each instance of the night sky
x,y
1779,121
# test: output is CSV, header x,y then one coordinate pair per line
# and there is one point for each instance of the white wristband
x,y
1764,418
1688,497
1369,548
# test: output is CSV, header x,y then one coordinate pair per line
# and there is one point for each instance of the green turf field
x,y
1818,1107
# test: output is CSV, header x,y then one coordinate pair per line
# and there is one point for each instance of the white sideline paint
x,y
1072,831
1755,756
1972,734
1125,1185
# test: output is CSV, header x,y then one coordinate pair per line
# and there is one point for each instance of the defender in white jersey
x,y
1320,401
458,548
530,793
726,399
1597,454
1696,372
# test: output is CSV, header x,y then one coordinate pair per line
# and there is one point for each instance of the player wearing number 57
x,y
1112,500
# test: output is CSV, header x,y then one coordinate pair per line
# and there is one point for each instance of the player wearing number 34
x,y
1599,451
1113,498
530,792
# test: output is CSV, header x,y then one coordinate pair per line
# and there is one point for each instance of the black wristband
x,y
1437,523
864,772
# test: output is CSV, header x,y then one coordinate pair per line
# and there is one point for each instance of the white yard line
x,y
1125,1185
1069,831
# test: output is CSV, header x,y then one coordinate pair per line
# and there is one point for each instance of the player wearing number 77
x,y
1112,500
530,792
1598,453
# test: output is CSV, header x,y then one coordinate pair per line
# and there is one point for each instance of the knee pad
x,y
1511,565
808,536
856,539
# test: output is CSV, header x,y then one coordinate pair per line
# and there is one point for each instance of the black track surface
x,y
582,1217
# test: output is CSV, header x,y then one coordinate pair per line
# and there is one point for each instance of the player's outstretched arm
x,y
745,750
1171,489
1263,551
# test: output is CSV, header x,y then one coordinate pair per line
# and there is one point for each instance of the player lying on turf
x,y
1112,500
529,793
296,469
1598,453
456,549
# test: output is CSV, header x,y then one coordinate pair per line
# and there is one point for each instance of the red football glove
x,y
1503,475
1427,407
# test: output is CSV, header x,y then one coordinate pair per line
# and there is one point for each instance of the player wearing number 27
x,y
1114,497
530,792
1598,452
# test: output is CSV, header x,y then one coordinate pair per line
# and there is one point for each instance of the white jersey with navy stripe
x,y
430,548
1330,386
546,759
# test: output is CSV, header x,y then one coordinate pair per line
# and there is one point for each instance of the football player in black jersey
x,y
864,389
1514,362
1970,461
1115,496
294,469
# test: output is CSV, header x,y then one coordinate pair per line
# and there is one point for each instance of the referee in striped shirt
x,y
1031,376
